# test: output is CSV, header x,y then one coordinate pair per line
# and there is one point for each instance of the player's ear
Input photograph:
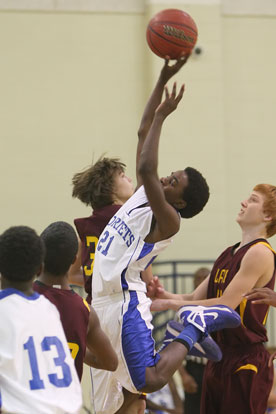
x,y
180,204
267,217
40,269
75,259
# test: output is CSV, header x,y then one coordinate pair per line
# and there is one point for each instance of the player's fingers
x,y
180,61
254,295
181,92
272,357
183,58
187,56
174,90
167,60
260,302
167,93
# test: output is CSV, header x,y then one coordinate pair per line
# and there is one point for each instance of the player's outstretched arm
x,y
167,219
100,353
167,72
255,271
155,290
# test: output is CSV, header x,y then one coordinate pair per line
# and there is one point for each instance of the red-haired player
x,y
243,375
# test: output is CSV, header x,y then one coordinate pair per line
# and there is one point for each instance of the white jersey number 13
x,y
37,383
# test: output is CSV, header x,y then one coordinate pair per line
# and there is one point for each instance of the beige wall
x,y
73,85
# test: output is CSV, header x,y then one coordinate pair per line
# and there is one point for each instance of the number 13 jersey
x,y
37,373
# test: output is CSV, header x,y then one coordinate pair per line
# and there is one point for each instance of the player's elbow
x,y
144,168
142,132
112,363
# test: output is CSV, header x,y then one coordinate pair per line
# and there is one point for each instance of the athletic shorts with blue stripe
x,y
126,319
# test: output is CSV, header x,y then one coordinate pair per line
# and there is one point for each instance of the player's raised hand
x,y
168,71
171,101
262,296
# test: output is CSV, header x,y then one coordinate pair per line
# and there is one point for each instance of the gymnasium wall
x,y
75,77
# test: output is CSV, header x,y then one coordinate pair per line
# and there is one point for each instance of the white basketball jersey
x,y
37,373
121,252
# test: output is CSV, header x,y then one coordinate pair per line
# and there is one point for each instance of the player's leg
x,y
250,381
207,348
198,321
243,376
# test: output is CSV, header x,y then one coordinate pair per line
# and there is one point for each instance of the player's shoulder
x,y
138,199
79,302
262,247
260,252
14,294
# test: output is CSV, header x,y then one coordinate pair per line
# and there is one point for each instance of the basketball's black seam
x,y
168,40
154,47
174,23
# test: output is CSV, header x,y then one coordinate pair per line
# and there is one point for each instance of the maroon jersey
x,y
89,230
74,315
252,329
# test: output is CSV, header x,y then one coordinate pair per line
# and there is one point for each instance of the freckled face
x,y
174,186
251,211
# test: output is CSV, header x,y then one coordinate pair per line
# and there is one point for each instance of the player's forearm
x,y
176,296
175,304
108,363
149,156
152,104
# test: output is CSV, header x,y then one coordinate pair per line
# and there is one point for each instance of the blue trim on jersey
x,y
150,262
138,343
0,399
147,248
11,291
123,280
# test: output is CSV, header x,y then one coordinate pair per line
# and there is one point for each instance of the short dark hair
x,y
21,254
196,194
94,186
61,245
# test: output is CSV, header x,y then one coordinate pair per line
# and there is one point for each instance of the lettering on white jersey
x,y
123,230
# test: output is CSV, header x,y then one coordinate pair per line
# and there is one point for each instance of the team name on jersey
x,y
123,230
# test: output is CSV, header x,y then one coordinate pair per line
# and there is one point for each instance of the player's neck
x,y
51,280
24,287
249,235
117,202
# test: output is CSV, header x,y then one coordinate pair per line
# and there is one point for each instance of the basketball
x,y
171,32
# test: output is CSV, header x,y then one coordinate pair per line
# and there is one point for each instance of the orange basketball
x,y
171,32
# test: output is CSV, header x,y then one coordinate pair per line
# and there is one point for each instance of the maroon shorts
x,y
240,383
